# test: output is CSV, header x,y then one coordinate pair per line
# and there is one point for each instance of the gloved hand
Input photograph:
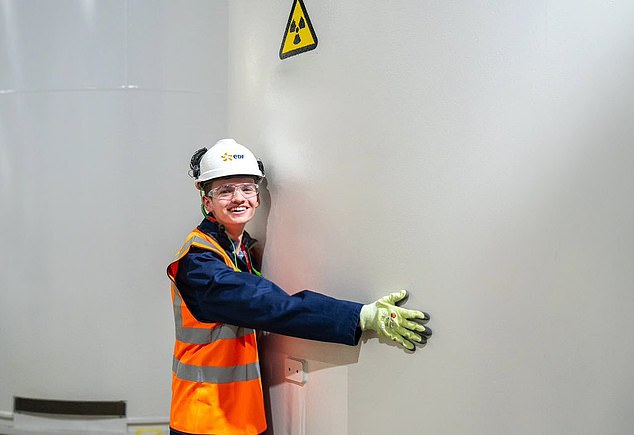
x,y
394,322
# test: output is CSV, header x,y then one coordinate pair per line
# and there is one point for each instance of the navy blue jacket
x,y
214,292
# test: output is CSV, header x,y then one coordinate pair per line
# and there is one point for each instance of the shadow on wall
x,y
259,224
274,349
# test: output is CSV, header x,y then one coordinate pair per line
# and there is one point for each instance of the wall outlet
x,y
294,370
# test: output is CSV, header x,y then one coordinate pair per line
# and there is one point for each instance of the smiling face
x,y
232,213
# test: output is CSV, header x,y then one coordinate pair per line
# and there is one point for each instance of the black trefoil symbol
x,y
296,28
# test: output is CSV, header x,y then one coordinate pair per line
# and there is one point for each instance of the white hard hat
x,y
227,158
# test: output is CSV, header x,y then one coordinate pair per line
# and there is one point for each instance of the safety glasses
x,y
227,191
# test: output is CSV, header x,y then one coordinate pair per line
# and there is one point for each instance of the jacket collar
x,y
211,227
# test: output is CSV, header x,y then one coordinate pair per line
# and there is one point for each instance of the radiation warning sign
x,y
299,35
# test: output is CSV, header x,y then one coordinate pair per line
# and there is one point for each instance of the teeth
x,y
238,209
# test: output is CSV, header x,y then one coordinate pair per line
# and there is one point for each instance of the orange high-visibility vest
x,y
216,385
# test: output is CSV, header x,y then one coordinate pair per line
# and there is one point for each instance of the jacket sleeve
x,y
214,292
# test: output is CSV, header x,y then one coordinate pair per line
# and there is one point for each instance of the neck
x,y
235,235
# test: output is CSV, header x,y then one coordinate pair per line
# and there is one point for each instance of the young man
x,y
220,299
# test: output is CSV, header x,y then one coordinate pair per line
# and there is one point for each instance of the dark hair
x,y
194,162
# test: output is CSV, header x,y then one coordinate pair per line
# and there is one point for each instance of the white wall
x,y
101,106
478,154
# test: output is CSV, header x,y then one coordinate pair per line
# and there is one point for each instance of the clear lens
x,y
226,191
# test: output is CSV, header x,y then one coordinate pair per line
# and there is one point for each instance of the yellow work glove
x,y
399,324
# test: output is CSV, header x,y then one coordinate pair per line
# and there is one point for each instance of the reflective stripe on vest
x,y
206,335
209,244
216,375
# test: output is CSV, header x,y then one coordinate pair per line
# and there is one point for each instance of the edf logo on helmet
x,y
226,157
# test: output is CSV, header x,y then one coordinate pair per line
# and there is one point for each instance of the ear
x,y
207,203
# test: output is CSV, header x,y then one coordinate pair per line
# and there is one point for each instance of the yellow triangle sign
x,y
300,35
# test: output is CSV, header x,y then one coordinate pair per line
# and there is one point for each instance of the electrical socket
x,y
294,370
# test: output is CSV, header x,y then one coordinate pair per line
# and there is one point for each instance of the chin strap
x,y
202,205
